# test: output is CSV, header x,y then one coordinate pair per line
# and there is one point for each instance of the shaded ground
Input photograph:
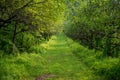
x,y
61,63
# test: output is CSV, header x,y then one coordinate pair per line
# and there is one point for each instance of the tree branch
x,y
3,22
39,2
14,14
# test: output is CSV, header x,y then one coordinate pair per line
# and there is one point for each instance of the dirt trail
x,y
44,76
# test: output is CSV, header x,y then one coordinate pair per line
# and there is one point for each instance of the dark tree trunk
x,y
14,33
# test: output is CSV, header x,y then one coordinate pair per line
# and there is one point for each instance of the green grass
x,y
62,62
23,67
60,56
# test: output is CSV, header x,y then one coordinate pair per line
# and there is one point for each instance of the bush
x,y
37,49
108,68
22,67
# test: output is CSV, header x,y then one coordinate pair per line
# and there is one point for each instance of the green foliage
x,y
63,59
37,49
24,23
108,68
27,41
21,67
95,24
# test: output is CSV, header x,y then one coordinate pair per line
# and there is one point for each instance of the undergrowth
x,y
107,68
23,67
60,56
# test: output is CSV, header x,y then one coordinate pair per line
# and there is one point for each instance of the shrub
x,y
108,68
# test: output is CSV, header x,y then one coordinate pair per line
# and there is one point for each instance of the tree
x,y
22,19
96,25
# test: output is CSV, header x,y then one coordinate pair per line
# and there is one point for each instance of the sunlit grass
x,y
60,56
62,62
23,67
59,60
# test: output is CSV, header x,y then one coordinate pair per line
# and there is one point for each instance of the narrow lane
x,y
61,62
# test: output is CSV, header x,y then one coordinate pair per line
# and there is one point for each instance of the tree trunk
x,y
14,33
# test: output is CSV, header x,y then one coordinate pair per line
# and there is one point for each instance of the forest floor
x,y
62,63
60,58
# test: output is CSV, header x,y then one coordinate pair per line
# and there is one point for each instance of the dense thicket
x,y
96,24
24,23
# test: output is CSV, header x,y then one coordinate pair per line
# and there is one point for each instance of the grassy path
x,y
61,62
60,58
